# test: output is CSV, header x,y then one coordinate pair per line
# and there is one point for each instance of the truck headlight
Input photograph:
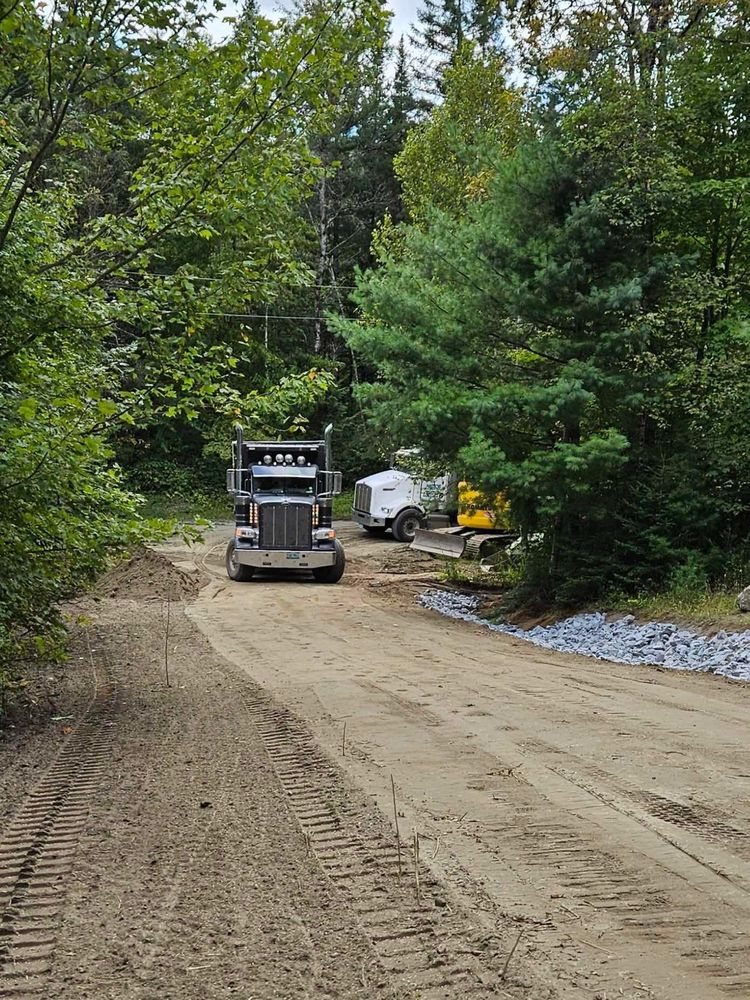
x,y
247,534
324,534
386,510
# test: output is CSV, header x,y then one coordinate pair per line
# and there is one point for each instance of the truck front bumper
x,y
262,559
368,520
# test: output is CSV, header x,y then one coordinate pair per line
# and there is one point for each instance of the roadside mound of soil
x,y
148,574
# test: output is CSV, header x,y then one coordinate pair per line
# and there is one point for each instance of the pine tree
x,y
509,344
487,25
445,26
403,113
403,100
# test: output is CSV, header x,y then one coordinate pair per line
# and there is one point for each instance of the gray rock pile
x,y
620,640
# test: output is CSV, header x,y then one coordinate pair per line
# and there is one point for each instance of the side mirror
x,y
331,483
231,484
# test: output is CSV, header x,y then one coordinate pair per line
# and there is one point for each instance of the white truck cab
x,y
397,500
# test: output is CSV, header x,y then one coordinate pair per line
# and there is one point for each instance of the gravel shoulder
x,y
616,639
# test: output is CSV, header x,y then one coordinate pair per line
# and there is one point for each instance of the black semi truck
x,y
283,493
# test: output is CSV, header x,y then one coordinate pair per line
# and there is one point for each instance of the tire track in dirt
x,y
192,880
38,846
618,865
709,825
668,907
423,945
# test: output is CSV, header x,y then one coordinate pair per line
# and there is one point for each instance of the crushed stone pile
x,y
148,574
619,640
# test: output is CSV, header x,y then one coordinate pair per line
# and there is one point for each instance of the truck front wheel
x,y
333,573
236,570
405,525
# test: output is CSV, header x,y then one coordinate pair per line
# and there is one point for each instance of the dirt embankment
x,y
148,575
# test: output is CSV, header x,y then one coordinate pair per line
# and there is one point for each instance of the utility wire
x,y
248,281
256,315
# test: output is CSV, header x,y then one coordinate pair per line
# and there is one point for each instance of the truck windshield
x,y
284,486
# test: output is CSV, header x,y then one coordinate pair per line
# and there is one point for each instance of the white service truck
x,y
399,501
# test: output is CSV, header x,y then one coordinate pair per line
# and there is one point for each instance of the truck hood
x,y
263,498
383,479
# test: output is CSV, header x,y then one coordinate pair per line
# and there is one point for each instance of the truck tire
x,y
374,529
236,571
333,573
405,524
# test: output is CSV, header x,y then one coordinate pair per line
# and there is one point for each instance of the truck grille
x,y
285,526
362,497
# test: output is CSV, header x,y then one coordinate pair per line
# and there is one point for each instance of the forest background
x,y
516,240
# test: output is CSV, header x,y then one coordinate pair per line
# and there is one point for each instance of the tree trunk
x,y
322,269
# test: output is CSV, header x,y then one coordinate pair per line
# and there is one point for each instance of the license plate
x,y
292,555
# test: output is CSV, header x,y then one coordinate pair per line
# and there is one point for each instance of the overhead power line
x,y
246,281
259,316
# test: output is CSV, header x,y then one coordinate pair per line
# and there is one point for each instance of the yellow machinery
x,y
480,528
473,514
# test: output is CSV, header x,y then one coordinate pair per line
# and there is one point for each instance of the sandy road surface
x,y
181,835
603,809
220,837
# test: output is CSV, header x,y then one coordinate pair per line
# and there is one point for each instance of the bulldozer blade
x,y
439,542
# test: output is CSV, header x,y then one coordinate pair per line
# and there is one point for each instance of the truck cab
x,y
399,501
283,492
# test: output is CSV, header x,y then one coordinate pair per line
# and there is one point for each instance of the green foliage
x,y
447,160
196,508
445,27
342,506
575,335
694,589
65,510
152,188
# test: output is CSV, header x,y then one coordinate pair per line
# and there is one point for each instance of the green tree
x,y
445,27
148,180
506,342
447,160
576,335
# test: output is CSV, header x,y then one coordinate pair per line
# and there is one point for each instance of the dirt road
x,y
231,834
605,808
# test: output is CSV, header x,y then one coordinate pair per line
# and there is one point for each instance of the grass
x,y
208,506
705,605
506,573
700,604
342,505
465,572
216,507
